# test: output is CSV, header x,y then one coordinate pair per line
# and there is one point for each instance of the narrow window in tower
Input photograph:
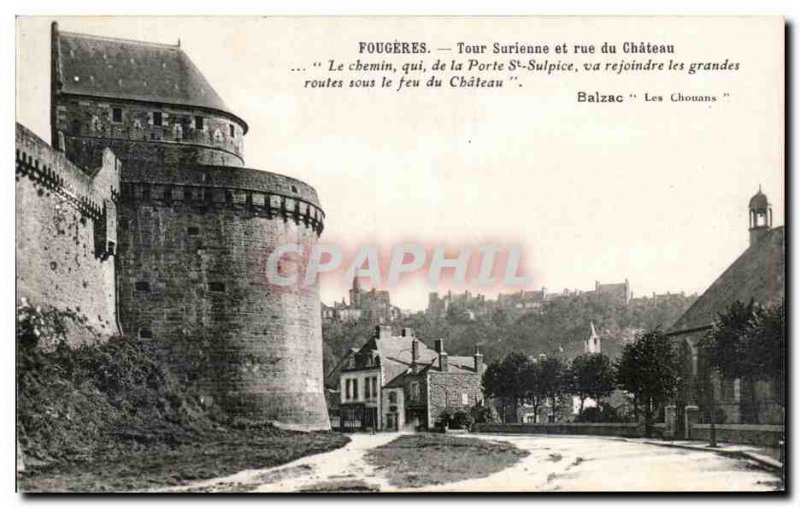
x,y
233,131
199,123
144,333
116,115
142,286
157,120
217,287
193,230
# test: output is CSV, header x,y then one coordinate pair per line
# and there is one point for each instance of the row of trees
x,y
746,342
516,379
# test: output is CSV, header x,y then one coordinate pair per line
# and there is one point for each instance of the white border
x,y
788,8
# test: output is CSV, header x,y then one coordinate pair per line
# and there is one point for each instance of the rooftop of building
x,y
112,68
758,274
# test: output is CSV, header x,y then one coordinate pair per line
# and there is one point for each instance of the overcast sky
x,y
655,193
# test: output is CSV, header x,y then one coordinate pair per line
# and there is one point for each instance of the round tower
x,y
196,228
760,216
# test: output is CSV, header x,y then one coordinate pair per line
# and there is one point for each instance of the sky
x,y
655,193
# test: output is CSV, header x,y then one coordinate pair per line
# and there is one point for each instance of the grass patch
x,y
433,459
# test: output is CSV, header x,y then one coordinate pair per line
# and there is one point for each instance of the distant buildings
x,y
374,306
521,301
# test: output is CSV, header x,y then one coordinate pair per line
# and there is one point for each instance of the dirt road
x,y
555,463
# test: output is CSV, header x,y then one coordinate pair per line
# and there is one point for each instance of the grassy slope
x,y
114,416
213,454
430,459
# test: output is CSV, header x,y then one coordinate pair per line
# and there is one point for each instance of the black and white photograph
x,y
400,254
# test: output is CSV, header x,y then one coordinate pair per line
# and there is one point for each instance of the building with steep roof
x,y
396,381
758,274
169,232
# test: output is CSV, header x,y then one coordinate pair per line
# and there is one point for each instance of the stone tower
x,y
760,214
195,226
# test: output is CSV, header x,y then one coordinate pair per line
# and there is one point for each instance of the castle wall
x,y
195,242
66,233
88,125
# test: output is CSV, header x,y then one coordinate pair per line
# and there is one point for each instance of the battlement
x,y
35,159
250,192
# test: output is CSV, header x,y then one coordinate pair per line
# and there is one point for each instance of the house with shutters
x,y
396,382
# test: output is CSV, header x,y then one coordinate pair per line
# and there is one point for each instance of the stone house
x,y
397,382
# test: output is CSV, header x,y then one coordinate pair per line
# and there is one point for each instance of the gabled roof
x,y
395,355
757,274
113,68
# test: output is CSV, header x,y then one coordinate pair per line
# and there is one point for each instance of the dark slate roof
x,y
758,273
132,70
759,200
395,354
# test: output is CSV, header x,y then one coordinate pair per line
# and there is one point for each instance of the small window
x,y
116,115
392,397
367,394
464,399
193,230
157,118
199,123
347,390
142,286
355,388
217,287
144,333
233,131
374,387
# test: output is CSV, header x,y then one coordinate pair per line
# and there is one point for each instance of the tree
x,y
505,379
554,379
648,369
592,376
535,393
748,342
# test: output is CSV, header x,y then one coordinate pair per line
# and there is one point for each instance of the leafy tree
x,y
592,376
505,379
535,388
648,369
554,380
749,342
765,344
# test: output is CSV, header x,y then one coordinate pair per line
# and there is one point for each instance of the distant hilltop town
x,y
375,306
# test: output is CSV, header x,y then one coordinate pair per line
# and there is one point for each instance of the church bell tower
x,y
760,214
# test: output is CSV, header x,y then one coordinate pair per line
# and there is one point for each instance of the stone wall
x,y
66,233
446,391
88,125
590,429
761,435
193,256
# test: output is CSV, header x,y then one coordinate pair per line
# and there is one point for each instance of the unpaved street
x,y
555,463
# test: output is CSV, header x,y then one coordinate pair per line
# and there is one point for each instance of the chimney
x,y
478,361
383,332
414,354
443,364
